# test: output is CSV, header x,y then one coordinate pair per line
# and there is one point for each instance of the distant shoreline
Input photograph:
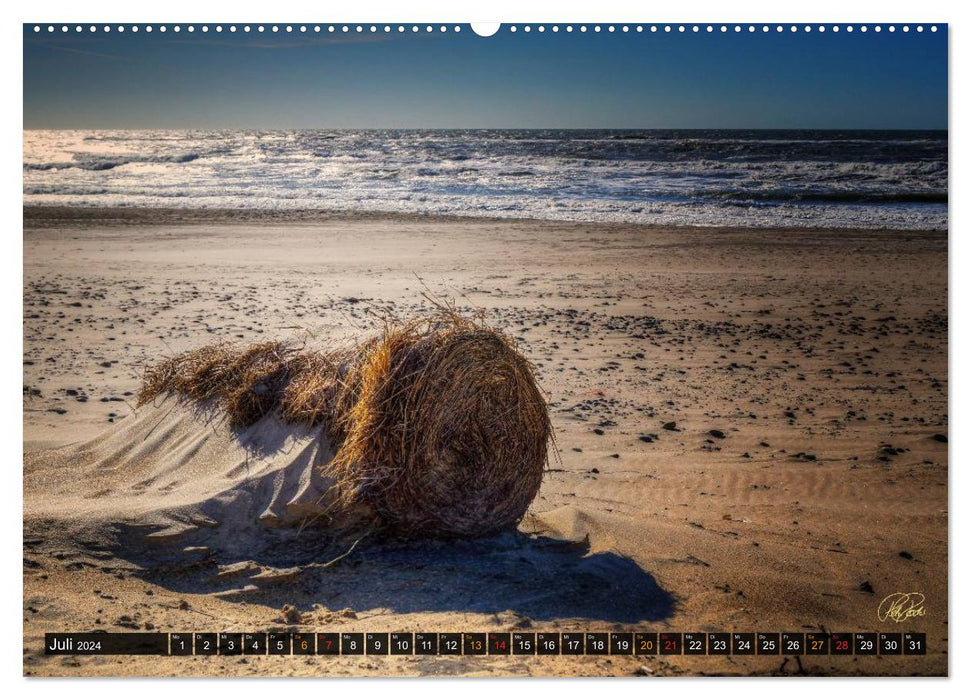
x,y
43,216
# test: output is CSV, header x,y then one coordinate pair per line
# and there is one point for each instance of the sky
x,y
510,80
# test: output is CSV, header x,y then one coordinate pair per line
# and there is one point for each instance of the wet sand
x,y
751,432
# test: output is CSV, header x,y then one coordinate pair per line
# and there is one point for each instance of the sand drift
x,y
435,428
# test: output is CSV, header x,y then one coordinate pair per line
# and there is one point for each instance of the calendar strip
x,y
487,643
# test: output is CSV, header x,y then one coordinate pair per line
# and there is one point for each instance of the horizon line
x,y
484,128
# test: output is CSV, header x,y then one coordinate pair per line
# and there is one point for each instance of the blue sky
x,y
575,80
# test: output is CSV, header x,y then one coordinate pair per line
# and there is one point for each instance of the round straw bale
x,y
440,428
447,431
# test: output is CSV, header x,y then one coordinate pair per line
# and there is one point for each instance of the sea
x,y
832,179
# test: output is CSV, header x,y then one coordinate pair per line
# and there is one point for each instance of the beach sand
x,y
750,436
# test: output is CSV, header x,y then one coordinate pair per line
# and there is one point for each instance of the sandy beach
x,y
750,433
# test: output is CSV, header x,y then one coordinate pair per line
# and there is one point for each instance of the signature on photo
x,y
901,606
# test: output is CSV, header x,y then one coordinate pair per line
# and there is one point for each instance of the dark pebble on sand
x,y
598,431
670,425
717,434
939,437
866,587
907,555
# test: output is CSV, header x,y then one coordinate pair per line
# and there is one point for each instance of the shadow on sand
x,y
534,577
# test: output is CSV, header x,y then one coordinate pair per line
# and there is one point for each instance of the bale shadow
x,y
538,578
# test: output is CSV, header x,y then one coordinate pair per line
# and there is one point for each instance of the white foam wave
x,y
493,174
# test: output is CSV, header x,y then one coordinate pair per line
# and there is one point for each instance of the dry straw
x,y
440,428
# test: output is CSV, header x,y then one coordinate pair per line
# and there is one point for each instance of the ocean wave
x,y
96,164
883,179
900,197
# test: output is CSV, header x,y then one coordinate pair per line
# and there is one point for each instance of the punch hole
x,y
485,29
